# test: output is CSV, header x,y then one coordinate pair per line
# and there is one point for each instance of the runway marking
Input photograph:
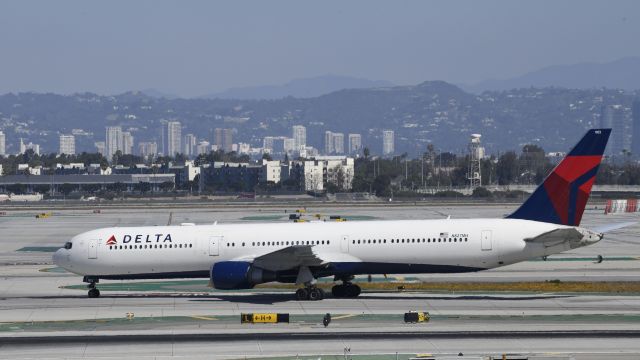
x,y
204,318
344,316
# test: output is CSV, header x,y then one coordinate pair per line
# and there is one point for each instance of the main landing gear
x,y
312,293
346,290
93,291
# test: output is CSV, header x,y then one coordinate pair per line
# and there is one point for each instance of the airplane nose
x,y
58,257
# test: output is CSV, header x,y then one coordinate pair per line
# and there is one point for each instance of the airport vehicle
x,y
239,256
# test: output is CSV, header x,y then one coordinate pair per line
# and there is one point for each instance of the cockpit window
x,y
68,245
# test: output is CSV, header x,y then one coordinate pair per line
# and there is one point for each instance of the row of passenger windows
x,y
154,246
409,241
283,243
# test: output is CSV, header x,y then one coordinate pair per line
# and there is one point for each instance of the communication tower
x,y
476,153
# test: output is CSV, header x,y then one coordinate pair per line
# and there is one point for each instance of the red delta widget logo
x,y
140,238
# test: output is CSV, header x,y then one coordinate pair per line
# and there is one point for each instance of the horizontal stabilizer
x,y
613,227
557,236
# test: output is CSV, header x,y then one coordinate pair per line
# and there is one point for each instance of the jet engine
x,y
232,275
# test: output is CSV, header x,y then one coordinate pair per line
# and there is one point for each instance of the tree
x,y
507,168
267,156
381,185
366,152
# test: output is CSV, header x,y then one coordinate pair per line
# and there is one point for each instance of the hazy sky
x,y
192,48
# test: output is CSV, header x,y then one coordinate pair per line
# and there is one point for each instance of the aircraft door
x,y
344,244
93,248
485,240
214,245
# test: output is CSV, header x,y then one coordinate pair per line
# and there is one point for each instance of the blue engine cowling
x,y
231,275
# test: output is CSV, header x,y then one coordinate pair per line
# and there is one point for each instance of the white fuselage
x,y
405,246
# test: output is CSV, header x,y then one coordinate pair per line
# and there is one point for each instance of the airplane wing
x,y
557,236
296,256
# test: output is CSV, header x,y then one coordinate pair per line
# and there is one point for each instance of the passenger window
x,y
190,245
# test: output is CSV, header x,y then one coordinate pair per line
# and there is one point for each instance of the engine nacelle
x,y
232,275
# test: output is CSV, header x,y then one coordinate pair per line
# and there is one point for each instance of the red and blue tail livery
x,y
563,195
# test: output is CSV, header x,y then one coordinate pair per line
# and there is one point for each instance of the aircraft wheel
x,y
94,293
302,294
352,291
316,294
338,291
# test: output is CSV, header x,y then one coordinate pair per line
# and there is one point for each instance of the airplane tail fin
x,y
563,195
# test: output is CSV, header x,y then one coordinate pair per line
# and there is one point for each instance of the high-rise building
x,y
355,143
30,146
189,145
100,147
203,147
113,141
338,143
147,149
173,138
388,146
227,140
267,143
299,137
616,118
67,144
3,144
223,138
127,143
328,143
288,145
635,139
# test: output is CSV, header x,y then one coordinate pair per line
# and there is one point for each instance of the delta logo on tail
x,y
563,195
112,240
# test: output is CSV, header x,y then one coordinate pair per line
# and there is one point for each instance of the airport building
x,y
67,144
84,182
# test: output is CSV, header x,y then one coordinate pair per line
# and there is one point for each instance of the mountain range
x,y
433,112
619,74
299,88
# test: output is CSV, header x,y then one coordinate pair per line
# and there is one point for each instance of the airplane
x,y
240,256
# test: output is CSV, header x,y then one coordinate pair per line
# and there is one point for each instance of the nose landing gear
x,y
93,291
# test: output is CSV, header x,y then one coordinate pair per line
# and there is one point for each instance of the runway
x,y
184,319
